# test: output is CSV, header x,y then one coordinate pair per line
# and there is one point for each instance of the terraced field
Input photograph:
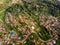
x,y
29,22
